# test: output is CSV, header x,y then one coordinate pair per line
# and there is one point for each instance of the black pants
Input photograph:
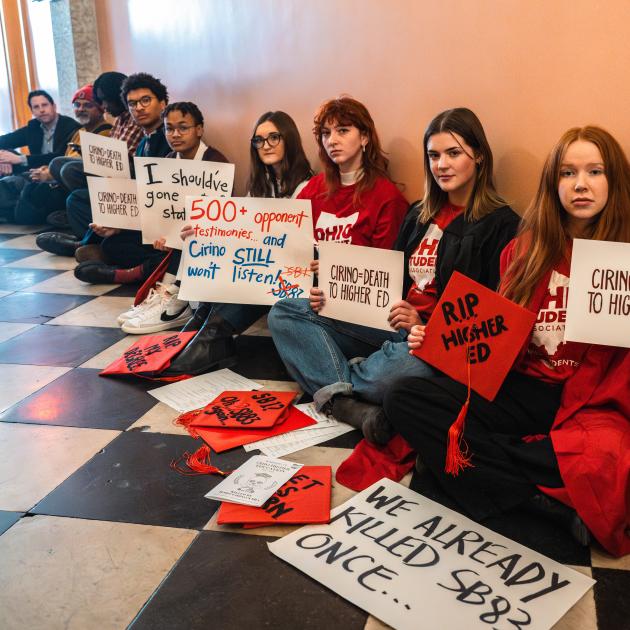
x,y
37,201
506,469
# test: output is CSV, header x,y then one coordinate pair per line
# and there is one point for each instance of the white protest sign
x,y
246,250
360,283
104,156
598,310
415,564
114,203
164,183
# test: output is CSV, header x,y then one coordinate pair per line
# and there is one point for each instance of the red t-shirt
x,y
422,294
374,222
548,356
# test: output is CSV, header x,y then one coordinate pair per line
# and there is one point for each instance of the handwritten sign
x,y
598,310
360,283
164,183
246,250
104,156
114,202
244,410
472,323
414,563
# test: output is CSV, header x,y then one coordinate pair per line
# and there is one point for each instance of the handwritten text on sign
x,y
360,284
414,563
246,250
598,310
104,156
114,202
164,183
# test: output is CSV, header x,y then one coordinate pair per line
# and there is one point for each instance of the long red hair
x,y
543,236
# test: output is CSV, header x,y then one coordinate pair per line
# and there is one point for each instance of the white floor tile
x,y
159,419
20,242
11,329
45,260
75,574
36,458
66,283
102,311
20,381
109,355
9,228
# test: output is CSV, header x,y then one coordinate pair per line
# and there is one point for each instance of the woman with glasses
x,y
161,310
279,168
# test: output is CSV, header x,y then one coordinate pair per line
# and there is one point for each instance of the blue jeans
x,y
327,357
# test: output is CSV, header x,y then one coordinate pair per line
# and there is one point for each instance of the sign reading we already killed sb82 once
x,y
164,183
247,251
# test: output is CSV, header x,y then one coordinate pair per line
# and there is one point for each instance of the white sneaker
x,y
154,296
169,312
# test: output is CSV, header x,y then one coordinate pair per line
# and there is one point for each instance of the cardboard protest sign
x,y
164,183
224,439
471,322
255,481
246,250
598,309
305,498
360,283
104,156
242,410
413,563
150,355
114,202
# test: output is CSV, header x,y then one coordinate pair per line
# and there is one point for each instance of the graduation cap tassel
x,y
185,419
197,463
457,456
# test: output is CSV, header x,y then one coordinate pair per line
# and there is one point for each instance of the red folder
x,y
150,355
471,322
224,439
244,410
305,498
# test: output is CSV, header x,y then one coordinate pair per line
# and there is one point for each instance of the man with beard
x,y
44,194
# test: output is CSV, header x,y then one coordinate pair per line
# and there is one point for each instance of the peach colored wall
x,y
528,68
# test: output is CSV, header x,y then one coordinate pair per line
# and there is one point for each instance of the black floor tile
x,y
37,308
82,398
537,533
68,346
131,481
612,599
347,440
232,581
13,279
10,255
124,290
258,358
7,519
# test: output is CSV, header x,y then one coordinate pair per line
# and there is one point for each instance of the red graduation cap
x,y
474,336
305,498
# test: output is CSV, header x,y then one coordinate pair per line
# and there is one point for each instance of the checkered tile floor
x,y
98,532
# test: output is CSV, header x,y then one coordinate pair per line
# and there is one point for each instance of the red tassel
x,y
458,458
185,420
198,463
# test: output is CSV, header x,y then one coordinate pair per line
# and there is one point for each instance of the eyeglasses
x,y
181,129
145,101
273,140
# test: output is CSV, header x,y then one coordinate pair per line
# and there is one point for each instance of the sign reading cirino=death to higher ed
x,y
246,250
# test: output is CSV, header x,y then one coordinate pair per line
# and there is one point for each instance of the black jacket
x,y
32,136
157,145
472,248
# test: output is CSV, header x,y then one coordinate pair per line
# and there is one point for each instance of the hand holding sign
x,y
114,203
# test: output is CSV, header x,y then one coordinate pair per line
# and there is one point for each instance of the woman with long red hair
x,y
576,395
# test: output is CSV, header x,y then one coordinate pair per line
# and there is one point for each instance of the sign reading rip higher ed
x,y
598,309
414,564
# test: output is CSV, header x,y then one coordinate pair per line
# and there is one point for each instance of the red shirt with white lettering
x,y
422,294
373,222
548,356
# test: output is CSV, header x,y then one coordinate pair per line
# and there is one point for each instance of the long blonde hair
x,y
484,198
543,236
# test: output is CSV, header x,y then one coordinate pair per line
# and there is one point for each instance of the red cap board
x,y
305,498
471,321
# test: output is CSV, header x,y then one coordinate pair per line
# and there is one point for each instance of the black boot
x,y
58,243
365,416
210,349
199,317
560,513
